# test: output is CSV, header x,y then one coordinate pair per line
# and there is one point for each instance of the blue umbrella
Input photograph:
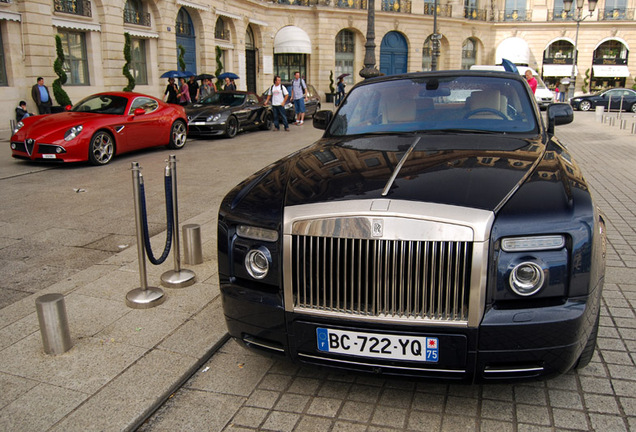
x,y
187,74
172,74
230,75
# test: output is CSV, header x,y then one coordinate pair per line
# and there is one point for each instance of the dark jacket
x,y
35,94
20,113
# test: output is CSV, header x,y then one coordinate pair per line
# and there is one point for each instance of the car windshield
x,y
225,99
102,104
418,104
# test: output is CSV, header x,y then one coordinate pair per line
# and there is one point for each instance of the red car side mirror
x,y
139,111
68,107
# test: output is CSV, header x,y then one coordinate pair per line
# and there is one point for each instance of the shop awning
x,y
10,16
560,70
292,40
75,25
514,49
610,71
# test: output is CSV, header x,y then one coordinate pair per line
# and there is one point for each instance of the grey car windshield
x,y
457,103
225,99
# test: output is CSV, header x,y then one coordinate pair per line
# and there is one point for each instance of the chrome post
x,y
177,278
56,337
144,297
620,108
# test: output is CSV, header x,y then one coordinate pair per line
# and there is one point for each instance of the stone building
x,y
322,38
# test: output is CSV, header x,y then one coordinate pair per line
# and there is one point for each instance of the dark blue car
x,y
438,229
614,99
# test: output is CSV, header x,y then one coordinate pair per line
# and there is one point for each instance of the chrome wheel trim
x,y
585,106
179,134
232,127
102,148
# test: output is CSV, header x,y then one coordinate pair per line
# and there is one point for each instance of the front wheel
x,y
231,127
585,106
268,122
101,148
633,108
178,135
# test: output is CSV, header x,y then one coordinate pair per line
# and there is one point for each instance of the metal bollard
x,y
192,251
51,310
612,121
633,128
623,123
179,277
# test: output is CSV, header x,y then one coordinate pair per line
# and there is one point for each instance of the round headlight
x,y
257,262
526,278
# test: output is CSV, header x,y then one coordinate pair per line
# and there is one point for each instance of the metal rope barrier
x,y
169,220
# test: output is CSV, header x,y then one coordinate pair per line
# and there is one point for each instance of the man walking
x,y
299,89
278,94
41,97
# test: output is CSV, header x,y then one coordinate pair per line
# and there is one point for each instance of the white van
x,y
543,94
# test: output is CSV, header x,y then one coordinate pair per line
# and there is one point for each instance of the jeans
x,y
279,110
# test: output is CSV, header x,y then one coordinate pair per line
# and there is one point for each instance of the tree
x,y
126,68
586,81
58,66
219,67
181,56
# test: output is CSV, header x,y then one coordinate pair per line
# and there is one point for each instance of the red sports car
x,y
99,127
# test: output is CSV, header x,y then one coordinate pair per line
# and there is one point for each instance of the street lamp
x,y
436,37
369,70
567,7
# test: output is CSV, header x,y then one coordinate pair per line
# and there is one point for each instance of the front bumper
x,y
206,129
508,345
38,152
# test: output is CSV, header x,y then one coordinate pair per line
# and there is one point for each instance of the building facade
x,y
257,39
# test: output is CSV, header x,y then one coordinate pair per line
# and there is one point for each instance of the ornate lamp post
x,y
369,70
436,37
578,17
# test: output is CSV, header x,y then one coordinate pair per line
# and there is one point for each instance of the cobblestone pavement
x,y
240,391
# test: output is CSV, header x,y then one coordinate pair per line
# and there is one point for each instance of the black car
x,y
437,229
227,113
312,103
620,98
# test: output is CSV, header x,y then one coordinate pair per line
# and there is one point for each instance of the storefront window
x,y
286,64
345,54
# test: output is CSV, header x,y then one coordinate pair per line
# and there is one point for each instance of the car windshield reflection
x,y
456,103
225,99
102,104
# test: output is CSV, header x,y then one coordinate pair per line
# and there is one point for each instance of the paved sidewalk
x,y
125,362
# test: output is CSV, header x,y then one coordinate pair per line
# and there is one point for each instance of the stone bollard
x,y
600,113
623,123
56,337
192,251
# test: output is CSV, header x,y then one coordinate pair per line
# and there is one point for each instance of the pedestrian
x,y
299,95
532,82
229,84
170,95
184,93
21,112
193,88
340,91
561,89
206,89
41,97
278,94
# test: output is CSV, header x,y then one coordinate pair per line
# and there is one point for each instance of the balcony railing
x,y
75,7
182,28
558,14
298,2
442,10
403,6
5,1
134,17
616,14
472,13
223,34
514,15
351,4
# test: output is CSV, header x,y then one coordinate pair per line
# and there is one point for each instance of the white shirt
x,y
278,93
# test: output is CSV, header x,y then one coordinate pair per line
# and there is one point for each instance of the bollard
x,y
633,128
612,121
600,113
143,297
192,251
51,310
177,278
623,123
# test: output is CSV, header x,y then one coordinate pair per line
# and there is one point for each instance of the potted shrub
x,y
332,91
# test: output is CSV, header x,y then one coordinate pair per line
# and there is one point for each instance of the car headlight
x,y
257,262
18,126
73,132
576,100
256,233
532,243
526,278
213,117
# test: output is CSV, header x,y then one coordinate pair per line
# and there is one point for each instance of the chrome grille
x,y
398,279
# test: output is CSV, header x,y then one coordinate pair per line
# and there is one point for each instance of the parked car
x,y
227,113
424,234
99,127
618,96
312,103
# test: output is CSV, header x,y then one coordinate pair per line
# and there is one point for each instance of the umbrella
x,y
343,75
172,74
205,76
229,75
187,74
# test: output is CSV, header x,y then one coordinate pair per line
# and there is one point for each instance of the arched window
x,y
184,24
345,54
469,53
221,31
134,13
561,49
427,55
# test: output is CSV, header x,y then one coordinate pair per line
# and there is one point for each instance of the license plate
x,y
48,156
375,345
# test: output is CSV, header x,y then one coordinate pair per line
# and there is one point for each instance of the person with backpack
x,y
299,94
278,94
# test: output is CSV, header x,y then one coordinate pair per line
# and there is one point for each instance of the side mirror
x,y
139,111
559,114
322,119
